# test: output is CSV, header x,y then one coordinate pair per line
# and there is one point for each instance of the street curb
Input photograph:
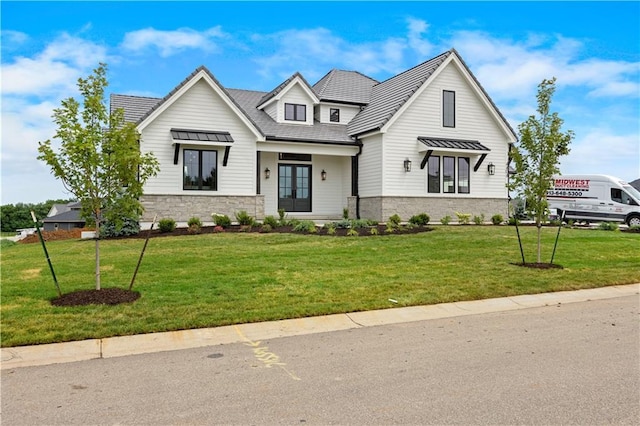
x,y
26,356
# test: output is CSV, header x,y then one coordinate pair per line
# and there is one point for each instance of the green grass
x,y
220,279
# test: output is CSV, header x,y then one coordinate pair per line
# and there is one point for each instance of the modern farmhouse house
x,y
428,140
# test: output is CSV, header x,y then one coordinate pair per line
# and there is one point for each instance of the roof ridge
x,y
444,55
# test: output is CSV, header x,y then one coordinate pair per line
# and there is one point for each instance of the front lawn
x,y
220,279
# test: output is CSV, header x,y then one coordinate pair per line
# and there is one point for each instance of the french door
x,y
294,187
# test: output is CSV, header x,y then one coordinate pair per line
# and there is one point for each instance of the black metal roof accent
x,y
200,135
452,143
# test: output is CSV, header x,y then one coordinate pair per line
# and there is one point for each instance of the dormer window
x,y
334,115
295,112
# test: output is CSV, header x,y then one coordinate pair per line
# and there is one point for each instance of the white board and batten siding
x,y
423,117
201,108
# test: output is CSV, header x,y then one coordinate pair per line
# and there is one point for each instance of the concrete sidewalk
x,y
24,356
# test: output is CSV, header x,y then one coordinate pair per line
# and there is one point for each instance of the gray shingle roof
x,y
68,216
382,101
387,97
135,107
452,143
345,86
282,85
319,132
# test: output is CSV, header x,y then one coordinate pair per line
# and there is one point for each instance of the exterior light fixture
x,y
407,165
491,168
267,173
323,175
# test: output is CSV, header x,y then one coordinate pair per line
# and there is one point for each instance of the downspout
x,y
356,177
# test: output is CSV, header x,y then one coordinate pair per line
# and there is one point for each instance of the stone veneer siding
x,y
380,208
183,207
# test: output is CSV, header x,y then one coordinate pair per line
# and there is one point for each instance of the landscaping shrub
x,y
420,219
513,221
478,220
345,213
129,227
353,233
167,225
497,219
244,219
608,226
374,231
271,221
445,220
266,228
194,225
221,220
394,220
463,218
305,226
331,229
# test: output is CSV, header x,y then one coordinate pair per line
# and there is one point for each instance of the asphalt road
x,y
575,363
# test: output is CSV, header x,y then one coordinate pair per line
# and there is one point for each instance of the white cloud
x,y
54,70
12,38
602,151
168,43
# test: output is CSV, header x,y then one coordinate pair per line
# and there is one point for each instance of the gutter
x,y
355,184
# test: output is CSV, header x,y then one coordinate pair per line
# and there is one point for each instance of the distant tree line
x,y
16,216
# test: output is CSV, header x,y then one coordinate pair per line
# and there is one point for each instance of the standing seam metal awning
x,y
201,137
452,145
449,144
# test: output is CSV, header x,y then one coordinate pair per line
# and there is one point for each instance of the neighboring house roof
x,y
635,184
349,87
72,215
65,213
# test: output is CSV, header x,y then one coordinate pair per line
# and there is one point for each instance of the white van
x,y
596,198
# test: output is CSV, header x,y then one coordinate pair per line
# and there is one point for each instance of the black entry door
x,y
294,188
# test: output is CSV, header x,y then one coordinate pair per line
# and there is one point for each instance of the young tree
x,y
537,154
99,159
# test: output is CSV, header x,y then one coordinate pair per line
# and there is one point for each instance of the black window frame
x,y
334,115
298,110
450,189
199,186
468,167
448,108
433,177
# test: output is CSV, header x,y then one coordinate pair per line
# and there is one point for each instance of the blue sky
x,y
592,48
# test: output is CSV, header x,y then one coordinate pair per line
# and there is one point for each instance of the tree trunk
x,y
539,240
97,254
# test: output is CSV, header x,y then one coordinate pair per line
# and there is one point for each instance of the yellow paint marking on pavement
x,y
263,354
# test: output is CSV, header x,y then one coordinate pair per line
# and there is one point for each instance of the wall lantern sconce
x,y
491,168
267,173
407,165
323,175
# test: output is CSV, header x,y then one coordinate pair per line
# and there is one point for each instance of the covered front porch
x,y
308,180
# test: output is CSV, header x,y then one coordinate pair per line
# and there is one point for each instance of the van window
x,y
619,196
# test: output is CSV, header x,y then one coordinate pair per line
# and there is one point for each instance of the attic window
x,y
295,112
334,115
448,108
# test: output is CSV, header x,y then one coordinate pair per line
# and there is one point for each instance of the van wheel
x,y
633,220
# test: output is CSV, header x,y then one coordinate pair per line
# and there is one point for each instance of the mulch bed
x,y
105,296
536,265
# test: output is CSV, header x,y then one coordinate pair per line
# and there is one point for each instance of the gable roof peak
x,y
266,98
